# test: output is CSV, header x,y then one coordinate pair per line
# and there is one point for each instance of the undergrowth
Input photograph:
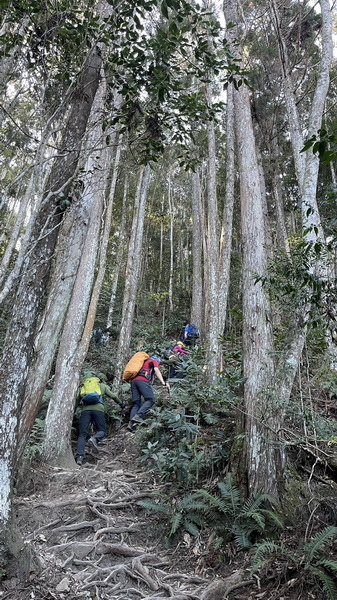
x,y
313,564
191,430
222,511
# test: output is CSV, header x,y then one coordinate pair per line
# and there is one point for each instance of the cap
x,y
157,358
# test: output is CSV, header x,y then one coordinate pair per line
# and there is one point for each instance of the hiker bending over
x,y
179,352
141,386
190,334
91,393
180,349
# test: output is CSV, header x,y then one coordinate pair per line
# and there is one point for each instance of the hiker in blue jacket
x,y
190,334
92,414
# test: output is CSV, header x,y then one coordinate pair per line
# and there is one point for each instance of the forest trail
x,y
91,539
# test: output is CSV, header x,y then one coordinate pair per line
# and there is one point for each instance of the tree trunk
x,y
227,216
197,278
171,215
119,256
282,236
307,164
67,258
18,348
28,206
211,335
262,464
161,248
258,368
82,308
133,269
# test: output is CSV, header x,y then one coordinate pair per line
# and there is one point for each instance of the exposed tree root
x,y
62,503
220,588
105,530
121,504
238,585
77,526
98,544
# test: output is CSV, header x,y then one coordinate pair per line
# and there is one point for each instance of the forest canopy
x,y
167,162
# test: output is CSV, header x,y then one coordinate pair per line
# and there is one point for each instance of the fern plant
x,y
192,436
318,565
308,566
184,516
232,519
34,446
225,514
176,448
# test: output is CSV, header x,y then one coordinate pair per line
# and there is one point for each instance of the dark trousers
x,y
176,372
141,388
87,417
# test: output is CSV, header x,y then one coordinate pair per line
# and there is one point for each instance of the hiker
x,y
190,334
179,352
91,393
180,349
141,386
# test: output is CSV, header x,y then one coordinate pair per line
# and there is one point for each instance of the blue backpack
x,y
192,332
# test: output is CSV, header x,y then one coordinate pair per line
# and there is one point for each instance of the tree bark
x,y
307,164
18,348
133,269
212,332
119,256
28,206
227,215
82,308
258,367
171,215
197,277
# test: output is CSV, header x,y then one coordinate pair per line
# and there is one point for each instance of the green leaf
x,y
175,523
164,10
331,565
312,548
328,583
191,528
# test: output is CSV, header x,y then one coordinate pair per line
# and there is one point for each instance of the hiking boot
x,y
137,419
79,460
130,427
92,442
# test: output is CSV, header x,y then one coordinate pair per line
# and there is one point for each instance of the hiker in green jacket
x,y
91,393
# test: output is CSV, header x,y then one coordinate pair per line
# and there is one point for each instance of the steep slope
x,y
91,540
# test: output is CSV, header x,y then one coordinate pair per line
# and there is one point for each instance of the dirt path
x,y
92,540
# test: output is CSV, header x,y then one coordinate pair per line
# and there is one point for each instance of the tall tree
x,y
258,368
263,417
81,312
18,349
227,214
133,268
119,256
197,278
212,318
